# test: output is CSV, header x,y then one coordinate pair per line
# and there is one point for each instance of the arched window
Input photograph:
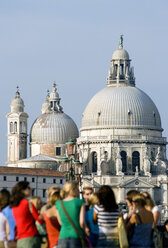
x,y
24,127
106,155
20,126
135,161
115,69
124,161
15,127
94,162
11,127
153,155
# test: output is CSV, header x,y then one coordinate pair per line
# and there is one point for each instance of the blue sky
x,y
71,42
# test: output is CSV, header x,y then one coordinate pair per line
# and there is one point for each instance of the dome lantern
x,y
52,102
120,72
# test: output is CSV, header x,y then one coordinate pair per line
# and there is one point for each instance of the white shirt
x,y
156,209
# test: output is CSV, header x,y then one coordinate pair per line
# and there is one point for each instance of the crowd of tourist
x,y
66,221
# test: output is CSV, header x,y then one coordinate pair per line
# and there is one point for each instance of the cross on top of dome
x,y
17,95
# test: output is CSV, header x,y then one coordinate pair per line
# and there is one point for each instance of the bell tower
x,y
17,131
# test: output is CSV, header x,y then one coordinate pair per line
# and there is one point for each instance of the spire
x,y
121,41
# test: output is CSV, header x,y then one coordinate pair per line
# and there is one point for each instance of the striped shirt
x,y
107,222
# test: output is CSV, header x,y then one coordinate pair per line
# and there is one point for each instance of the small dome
x,y
46,107
53,128
121,107
120,53
17,104
54,94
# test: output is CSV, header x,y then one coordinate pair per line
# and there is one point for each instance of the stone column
x,y
98,159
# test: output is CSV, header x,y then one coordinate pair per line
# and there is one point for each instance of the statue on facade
x,y
136,171
158,155
161,164
147,162
118,163
104,165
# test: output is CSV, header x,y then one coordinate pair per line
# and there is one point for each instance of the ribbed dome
x,y
53,128
121,107
120,53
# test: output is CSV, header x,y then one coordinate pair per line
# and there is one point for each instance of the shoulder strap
x,y
139,218
72,223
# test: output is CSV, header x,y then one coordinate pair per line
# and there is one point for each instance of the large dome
x,y
121,107
53,128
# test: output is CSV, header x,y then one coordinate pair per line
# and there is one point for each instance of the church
x,y
120,141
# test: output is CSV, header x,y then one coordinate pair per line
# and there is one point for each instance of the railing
x,y
123,138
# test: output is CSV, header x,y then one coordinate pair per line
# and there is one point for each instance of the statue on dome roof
x,y
121,41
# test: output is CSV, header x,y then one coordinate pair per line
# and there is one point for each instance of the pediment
x,y
136,183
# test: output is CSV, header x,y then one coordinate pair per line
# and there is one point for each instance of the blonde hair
x,y
69,188
140,199
35,200
55,197
93,200
149,201
50,191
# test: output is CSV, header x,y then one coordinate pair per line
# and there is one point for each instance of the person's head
x,y
55,197
149,201
129,197
166,225
50,191
107,198
93,200
138,201
4,198
37,202
70,189
87,191
19,191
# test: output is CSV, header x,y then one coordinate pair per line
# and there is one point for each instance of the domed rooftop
x,y
120,53
120,107
121,104
53,126
17,104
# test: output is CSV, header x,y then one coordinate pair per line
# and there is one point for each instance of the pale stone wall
x,y
38,185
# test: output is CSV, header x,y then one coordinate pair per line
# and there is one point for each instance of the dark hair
x,y
107,198
166,222
131,194
4,198
17,194
140,199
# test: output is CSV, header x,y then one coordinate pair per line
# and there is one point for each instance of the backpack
x,y
157,238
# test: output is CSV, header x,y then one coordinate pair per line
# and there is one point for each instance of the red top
x,y
25,220
53,229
